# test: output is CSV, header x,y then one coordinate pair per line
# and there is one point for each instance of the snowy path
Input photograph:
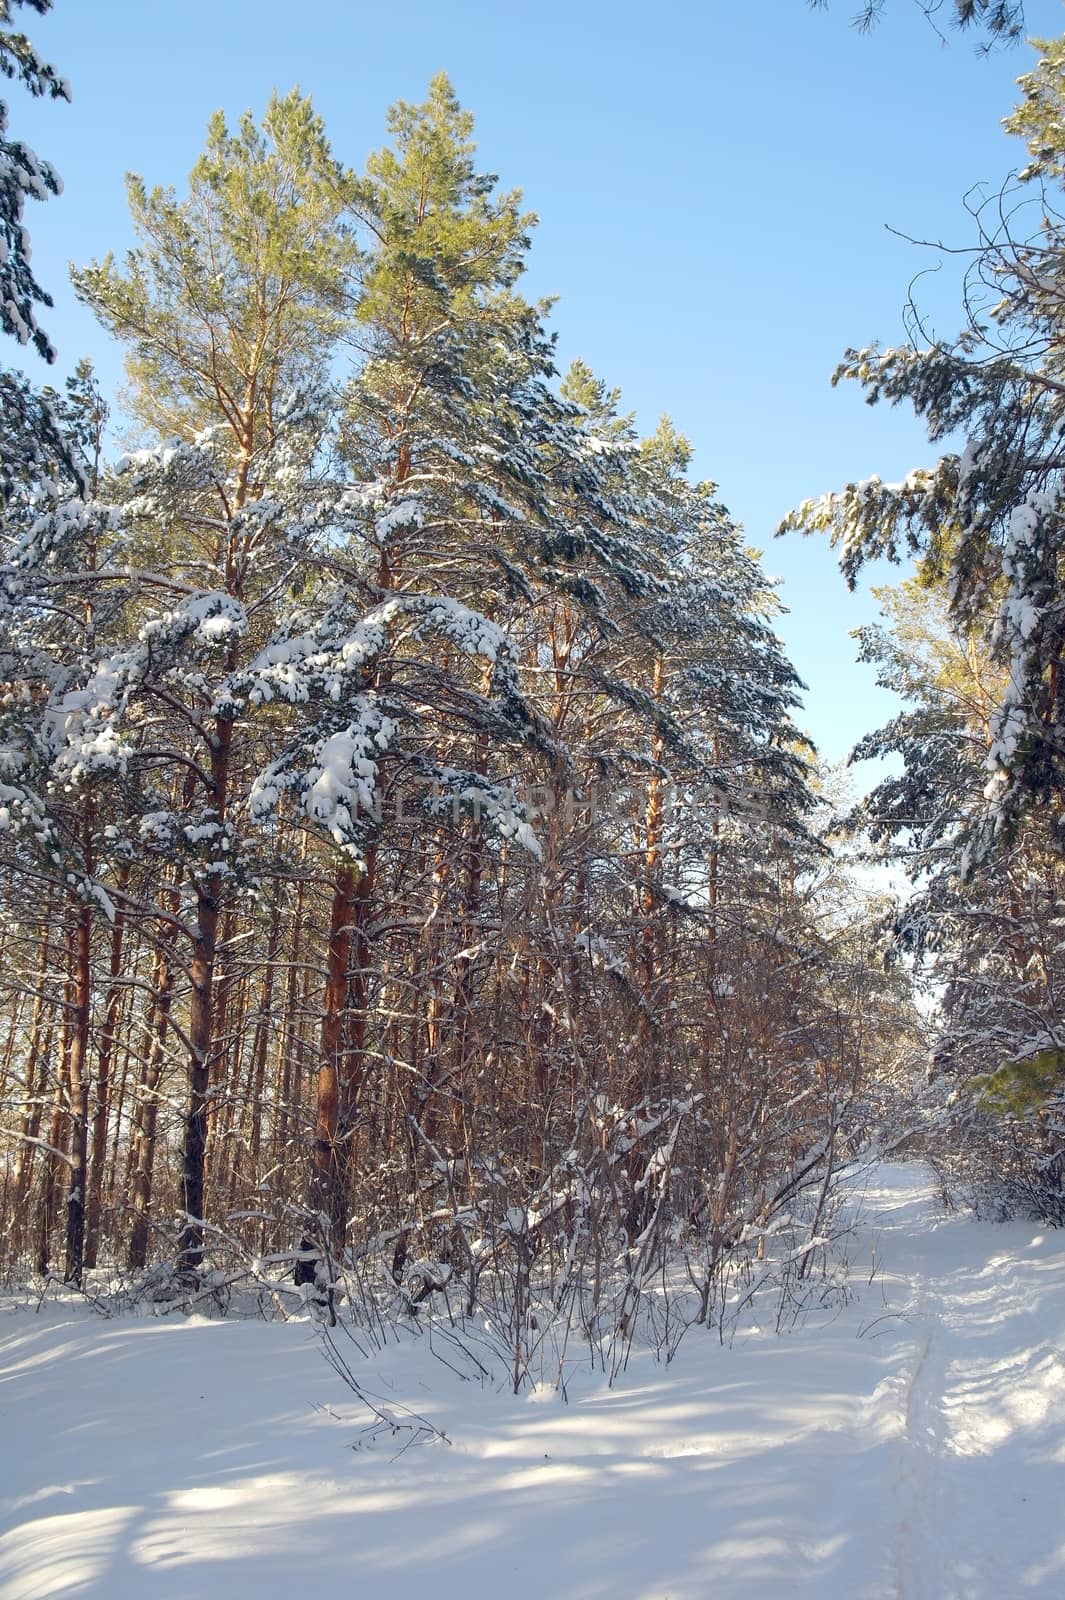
x,y
911,1447
979,1482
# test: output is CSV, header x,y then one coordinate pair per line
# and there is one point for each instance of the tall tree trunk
x,y
78,1071
357,1022
423,1103
327,1184
261,1040
209,906
144,1132
653,829
32,1101
112,1011
286,1098
227,1055
342,1053
15,1031
201,1022
54,1161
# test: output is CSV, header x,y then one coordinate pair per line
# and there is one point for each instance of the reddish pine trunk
x,y
143,1165
30,1121
261,1042
78,1078
343,1045
54,1161
112,1012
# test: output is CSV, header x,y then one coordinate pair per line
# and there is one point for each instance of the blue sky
x,y
714,182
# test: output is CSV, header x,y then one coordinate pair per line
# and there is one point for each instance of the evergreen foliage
x,y
974,647
403,760
30,435
1003,20
23,175
987,520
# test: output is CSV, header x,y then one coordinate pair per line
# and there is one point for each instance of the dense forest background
x,y
415,880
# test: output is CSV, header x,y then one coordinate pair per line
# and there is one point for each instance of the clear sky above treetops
x,y
715,179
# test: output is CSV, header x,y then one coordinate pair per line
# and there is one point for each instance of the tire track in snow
x,y
916,1473
922,1557
979,1414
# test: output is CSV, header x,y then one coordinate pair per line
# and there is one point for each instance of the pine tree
x,y
230,308
983,938
23,175
29,434
53,613
437,433
989,520
451,897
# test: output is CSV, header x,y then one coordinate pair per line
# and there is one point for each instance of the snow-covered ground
x,y
909,1445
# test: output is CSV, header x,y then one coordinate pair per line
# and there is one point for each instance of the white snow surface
x,y
910,1445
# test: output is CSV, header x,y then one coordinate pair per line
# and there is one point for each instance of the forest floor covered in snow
x,y
909,1443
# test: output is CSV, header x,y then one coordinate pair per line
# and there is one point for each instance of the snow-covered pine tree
x,y
23,176
985,940
230,308
59,599
496,491
350,642
29,434
988,520
691,725
977,810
